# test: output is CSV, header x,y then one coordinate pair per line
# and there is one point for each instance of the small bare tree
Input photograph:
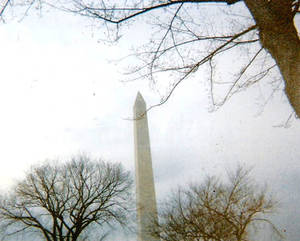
x,y
215,211
62,201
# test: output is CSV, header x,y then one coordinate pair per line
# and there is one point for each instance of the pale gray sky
x,y
60,94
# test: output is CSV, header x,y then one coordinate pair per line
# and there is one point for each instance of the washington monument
x,y
145,191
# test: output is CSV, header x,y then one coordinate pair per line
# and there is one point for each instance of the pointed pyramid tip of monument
x,y
139,98
139,95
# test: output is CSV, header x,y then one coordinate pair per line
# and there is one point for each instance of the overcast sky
x,y
61,94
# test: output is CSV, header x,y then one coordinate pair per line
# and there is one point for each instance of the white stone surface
x,y
145,190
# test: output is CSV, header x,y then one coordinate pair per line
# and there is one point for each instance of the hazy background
x,y
60,94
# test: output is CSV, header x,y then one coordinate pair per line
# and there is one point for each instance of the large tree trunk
x,y
279,36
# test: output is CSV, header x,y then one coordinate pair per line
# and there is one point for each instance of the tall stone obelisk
x,y
145,191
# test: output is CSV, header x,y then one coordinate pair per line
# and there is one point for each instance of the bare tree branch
x,y
62,201
183,40
214,210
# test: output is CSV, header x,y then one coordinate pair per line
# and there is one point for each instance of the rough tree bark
x,y
279,36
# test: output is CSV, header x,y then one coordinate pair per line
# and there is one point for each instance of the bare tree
x,y
62,202
215,211
196,33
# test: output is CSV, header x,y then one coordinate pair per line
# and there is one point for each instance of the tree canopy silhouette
x,y
62,201
215,210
